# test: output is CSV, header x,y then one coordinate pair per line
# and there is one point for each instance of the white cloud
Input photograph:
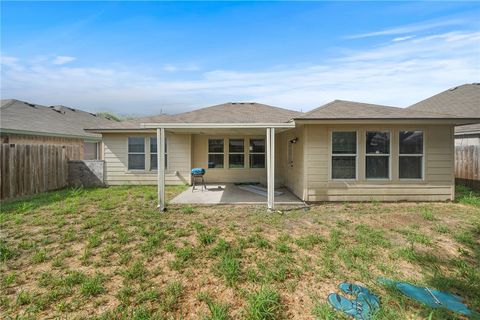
x,y
402,38
410,28
59,60
177,68
397,73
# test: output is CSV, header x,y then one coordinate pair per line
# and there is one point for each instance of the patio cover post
x,y
161,168
271,168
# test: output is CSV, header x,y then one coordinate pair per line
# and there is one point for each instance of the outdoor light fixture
x,y
294,140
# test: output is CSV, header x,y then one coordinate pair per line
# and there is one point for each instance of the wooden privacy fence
x,y
28,169
467,162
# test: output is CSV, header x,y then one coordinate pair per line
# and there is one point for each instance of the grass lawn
x,y
108,254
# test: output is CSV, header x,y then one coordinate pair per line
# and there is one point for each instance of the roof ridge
x,y
322,106
473,84
9,103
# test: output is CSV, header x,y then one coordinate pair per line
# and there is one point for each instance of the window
x,y
377,161
154,152
215,153
410,161
136,153
236,153
344,155
90,151
257,153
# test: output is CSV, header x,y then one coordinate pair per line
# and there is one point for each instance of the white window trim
x,y
389,154
144,153
222,153
331,154
167,162
229,153
264,153
412,155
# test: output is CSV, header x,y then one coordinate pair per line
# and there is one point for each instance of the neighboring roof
x,y
232,112
463,101
349,110
468,129
23,117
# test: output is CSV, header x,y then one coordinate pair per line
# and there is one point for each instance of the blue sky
x,y
145,57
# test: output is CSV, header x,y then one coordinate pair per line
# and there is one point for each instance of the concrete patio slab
x,y
228,193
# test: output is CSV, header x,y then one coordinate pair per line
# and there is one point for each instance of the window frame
x,y
330,173
144,153
156,153
242,153
254,153
412,155
209,153
389,155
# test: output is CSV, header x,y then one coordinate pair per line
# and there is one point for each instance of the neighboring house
x,y
26,123
343,151
462,101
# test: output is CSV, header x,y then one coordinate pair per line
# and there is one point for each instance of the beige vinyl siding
x,y
115,147
294,172
200,159
437,183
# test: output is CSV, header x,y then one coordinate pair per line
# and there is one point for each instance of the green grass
x,y
466,196
107,253
93,286
265,304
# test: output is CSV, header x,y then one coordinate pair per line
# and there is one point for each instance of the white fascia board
x,y
387,121
217,125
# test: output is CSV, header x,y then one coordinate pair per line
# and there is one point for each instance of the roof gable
x,y
54,120
237,112
232,112
461,101
341,109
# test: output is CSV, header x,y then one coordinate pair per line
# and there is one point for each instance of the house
x,y
462,101
27,123
342,151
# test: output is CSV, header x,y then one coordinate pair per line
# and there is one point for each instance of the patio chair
x,y
197,174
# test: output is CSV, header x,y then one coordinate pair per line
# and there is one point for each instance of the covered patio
x,y
229,193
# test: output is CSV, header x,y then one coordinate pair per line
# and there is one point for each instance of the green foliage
x,y
427,214
229,268
136,271
217,311
324,311
182,257
172,295
93,286
187,209
308,242
6,252
111,116
467,196
207,237
264,304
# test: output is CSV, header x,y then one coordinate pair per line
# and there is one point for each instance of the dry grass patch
x,y
109,254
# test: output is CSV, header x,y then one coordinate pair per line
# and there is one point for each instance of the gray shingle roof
x,y
232,112
461,101
54,120
340,109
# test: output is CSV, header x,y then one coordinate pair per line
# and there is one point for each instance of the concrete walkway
x,y
228,193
